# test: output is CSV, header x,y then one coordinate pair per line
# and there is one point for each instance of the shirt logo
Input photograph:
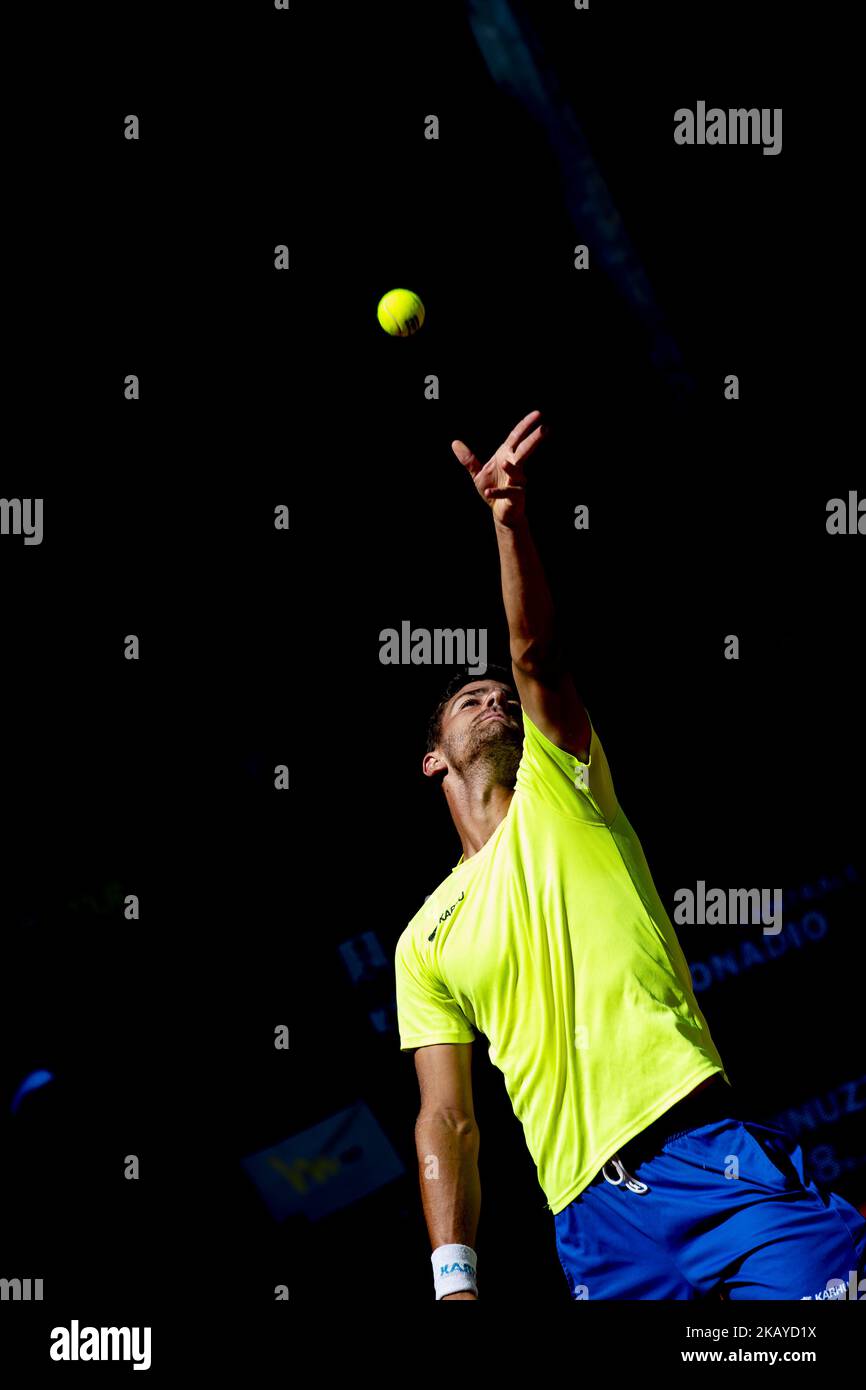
x,y
445,915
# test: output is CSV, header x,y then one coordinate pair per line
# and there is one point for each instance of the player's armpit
x,y
554,706
563,762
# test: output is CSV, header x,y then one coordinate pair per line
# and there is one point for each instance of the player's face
x,y
482,710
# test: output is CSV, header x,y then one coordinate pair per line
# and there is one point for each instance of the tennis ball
x,y
400,313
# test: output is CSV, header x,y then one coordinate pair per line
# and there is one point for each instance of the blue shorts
x,y
721,1209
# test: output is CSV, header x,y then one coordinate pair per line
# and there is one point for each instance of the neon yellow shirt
x,y
552,941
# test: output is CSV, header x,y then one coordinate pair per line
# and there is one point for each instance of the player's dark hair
x,y
462,676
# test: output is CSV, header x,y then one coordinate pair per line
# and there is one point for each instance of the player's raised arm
x,y
546,688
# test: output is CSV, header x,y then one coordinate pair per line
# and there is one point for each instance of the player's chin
x,y
497,728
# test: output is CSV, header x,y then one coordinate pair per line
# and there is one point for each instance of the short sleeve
x,y
562,779
426,1012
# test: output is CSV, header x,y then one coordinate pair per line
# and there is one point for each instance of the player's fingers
x,y
520,430
466,456
531,442
493,492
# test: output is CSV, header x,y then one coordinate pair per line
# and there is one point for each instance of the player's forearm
x,y
450,1181
527,598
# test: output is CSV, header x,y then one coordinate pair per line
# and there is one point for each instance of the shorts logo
x,y
837,1288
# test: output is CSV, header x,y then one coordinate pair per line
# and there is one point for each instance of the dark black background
x,y
260,388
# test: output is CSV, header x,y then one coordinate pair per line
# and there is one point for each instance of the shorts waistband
x,y
715,1102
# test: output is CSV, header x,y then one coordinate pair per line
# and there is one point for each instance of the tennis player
x,y
549,938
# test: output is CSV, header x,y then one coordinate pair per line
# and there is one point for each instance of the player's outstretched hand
x,y
501,481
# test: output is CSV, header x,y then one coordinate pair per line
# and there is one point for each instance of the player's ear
x,y
433,764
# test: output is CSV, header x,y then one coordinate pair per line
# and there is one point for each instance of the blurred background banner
x,y
327,1167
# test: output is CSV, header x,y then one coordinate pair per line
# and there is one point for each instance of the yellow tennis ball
x,y
400,313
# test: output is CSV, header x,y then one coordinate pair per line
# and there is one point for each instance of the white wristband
x,y
454,1269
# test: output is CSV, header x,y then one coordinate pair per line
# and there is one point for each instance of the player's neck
x,y
477,807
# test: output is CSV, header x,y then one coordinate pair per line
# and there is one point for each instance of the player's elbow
x,y
452,1118
540,660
